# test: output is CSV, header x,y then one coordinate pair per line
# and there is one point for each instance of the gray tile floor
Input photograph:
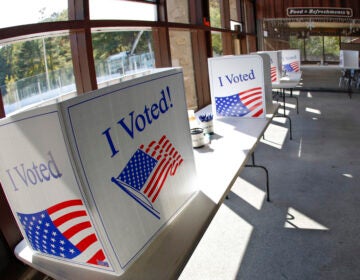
x,y
311,227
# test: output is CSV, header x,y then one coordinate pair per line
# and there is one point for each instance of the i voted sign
x,y
44,191
93,180
290,60
237,86
133,148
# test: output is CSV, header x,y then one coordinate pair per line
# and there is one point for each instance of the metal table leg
x,y
297,100
285,116
266,171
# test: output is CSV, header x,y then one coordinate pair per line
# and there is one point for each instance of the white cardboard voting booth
x,y
267,81
349,59
275,65
291,60
240,85
92,180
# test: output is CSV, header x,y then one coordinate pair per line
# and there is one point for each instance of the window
x,y
122,9
216,42
317,48
122,53
298,44
120,47
20,12
314,48
331,48
215,14
35,71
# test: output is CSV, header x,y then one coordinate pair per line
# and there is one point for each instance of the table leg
x,y
283,93
284,114
297,100
266,171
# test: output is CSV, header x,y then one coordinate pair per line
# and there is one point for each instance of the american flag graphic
x,y
273,74
246,103
64,230
145,174
292,67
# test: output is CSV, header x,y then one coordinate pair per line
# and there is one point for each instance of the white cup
x,y
208,127
197,137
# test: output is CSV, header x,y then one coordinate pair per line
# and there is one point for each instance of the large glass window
x,y
314,48
317,48
298,44
120,54
215,14
20,12
216,43
331,48
35,71
122,9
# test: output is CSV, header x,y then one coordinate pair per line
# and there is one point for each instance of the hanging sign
x,y
319,12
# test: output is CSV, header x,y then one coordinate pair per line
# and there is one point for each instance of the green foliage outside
x,y
332,48
215,21
26,59
317,48
21,60
110,43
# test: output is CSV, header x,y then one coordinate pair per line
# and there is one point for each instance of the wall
x,y
180,48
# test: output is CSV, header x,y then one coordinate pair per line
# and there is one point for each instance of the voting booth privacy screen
x,y
267,81
349,59
275,65
237,86
92,180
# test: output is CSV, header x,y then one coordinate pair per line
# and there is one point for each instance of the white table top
x,y
291,80
349,68
218,165
292,76
220,162
284,85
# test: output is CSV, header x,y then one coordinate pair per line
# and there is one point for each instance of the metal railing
x,y
36,89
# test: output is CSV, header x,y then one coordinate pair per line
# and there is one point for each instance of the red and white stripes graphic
x,y
73,222
168,159
253,100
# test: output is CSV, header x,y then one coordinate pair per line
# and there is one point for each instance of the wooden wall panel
x,y
319,3
355,5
